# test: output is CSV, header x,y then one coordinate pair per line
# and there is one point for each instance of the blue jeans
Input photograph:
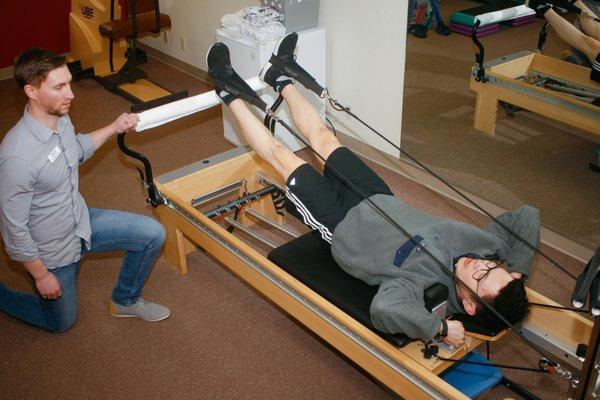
x,y
140,237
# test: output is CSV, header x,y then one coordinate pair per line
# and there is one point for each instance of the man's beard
x,y
56,111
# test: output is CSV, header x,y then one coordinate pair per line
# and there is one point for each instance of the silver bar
x,y
580,94
552,345
250,232
268,180
272,223
314,308
545,97
205,198
588,91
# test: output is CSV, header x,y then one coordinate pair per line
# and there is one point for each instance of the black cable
x,y
332,127
461,361
336,105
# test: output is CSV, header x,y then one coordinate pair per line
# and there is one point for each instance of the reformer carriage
x,y
230,206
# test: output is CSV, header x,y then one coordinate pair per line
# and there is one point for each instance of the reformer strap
x,y
269,121
242,93
299,74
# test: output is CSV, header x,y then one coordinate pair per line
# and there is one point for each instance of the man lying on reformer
x,y
587,41
488,262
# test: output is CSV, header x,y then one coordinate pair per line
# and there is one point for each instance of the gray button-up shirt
x,y
42,214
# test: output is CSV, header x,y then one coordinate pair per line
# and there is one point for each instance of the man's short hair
x,y
33,65
511,302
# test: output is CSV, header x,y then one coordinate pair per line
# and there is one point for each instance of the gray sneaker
x,y
143,309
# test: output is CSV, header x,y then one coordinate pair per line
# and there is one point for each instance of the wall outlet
x,y
182,44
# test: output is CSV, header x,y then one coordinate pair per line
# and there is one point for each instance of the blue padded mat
x,y
472,380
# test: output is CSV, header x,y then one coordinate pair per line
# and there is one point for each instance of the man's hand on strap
x,y
456,334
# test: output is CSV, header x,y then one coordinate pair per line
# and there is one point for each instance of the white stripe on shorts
x,y
307,217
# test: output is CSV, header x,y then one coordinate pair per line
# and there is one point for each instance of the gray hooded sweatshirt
x,y
370,248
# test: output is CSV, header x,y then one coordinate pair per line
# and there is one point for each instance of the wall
x,y
366,48
197,22
33,24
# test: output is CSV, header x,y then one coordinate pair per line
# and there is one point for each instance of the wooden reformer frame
x,y
403,370
505,79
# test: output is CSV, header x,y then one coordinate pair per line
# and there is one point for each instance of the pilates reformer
x,y
535,82
99,49
191,202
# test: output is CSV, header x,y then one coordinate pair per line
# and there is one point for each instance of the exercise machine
x,y
535,82
103,47
230,205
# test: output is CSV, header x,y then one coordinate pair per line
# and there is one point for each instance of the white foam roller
x,y
181,108
504,15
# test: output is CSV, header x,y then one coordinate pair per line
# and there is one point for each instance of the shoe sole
x,y
268,65
137,316
264,70
112,312
210,48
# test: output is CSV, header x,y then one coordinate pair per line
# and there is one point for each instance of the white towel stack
x,y
262,24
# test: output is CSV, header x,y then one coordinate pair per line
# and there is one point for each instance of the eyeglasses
x,y
482,272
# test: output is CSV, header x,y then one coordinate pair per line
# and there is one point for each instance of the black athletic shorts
x,y
321,202
595,73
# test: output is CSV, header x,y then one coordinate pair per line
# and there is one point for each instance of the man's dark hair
x,y
33,65
511,302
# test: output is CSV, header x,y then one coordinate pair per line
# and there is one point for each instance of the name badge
x,y
54,154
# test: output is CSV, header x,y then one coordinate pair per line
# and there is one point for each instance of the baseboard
x,y
6,73
175,63
404,168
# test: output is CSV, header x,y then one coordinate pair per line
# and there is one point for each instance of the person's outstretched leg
x,y
309,122
573,36
262,141
233,92
280,73
590,26
282,64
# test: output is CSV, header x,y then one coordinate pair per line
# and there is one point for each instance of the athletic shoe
x,y
141,309
418,30
443,29
282,67
228,84
539,6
